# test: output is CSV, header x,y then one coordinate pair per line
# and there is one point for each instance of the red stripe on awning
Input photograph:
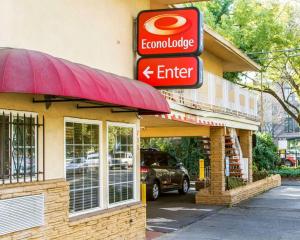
x,y
26,71
185,119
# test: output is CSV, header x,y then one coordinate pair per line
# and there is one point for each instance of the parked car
x,y
162,173
290,160
120,160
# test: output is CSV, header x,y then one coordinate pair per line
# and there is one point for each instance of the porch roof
x,y
33,72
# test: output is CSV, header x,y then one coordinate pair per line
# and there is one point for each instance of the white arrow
x,y
147,72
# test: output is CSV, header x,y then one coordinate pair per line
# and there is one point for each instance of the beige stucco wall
x,y
54,129
212,63
91,32
193,131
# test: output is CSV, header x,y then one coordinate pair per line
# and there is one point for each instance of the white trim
x,y
13,111
135,189
82,120
101,173
113,205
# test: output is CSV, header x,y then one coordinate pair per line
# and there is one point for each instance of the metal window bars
x,y
19,148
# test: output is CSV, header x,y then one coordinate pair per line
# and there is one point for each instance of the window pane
x,y
82,165
120,161
4,146
17,146
69,133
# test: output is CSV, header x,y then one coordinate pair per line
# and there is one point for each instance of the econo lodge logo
x,y
167,24
173,31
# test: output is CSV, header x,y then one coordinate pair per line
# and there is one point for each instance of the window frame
x,y
135,189
101,160
34,115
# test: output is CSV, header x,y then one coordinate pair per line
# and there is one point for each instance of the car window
x,y
147,159
172,162
162,159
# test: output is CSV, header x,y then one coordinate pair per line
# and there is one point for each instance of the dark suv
x,y
162,172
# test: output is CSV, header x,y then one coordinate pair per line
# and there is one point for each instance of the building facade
x,y
71,118
70,133
283,128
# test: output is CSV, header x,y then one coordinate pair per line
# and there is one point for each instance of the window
x,y
18,150
82,154
121,162
288,125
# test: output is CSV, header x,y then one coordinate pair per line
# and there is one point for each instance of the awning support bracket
x,y
48,100
96,106
129,111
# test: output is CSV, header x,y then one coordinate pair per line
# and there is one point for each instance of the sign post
x,y
201,170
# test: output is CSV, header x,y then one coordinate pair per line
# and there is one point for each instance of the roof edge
x,y
229,46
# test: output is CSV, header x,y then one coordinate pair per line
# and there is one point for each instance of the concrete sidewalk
x,y
272,215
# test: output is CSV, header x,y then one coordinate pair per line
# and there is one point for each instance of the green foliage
x,y
265,154
259,175
188,150
252,25
287,171
262,29
234,182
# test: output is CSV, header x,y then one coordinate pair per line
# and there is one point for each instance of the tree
x,y
262,28
265,153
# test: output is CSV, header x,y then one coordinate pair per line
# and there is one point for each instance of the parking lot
x,y
172,212
274,215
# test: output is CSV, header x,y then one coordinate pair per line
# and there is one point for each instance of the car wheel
x,y
185,186
155,191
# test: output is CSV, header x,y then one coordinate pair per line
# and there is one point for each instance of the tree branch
x,y
274,94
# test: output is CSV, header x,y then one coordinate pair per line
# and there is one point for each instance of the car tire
x,y
185,186
154,191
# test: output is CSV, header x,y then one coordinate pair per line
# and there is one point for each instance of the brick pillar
x,y
217,155
246,145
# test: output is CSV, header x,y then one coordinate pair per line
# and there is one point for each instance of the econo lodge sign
x,y
169,32
171,72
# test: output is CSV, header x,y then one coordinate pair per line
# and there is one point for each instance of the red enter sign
x,y
171,72
170,31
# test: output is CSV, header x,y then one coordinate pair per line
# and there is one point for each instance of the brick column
x,y
217,155
246,145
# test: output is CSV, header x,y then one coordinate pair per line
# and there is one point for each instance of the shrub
x,y
258,175
287,172
234,182
265,154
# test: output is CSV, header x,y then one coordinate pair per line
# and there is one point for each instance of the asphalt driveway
x,y
272,215
171,212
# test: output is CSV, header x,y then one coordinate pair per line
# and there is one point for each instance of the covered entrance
x,y
173,211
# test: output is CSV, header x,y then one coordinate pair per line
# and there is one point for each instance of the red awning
x,y
26,71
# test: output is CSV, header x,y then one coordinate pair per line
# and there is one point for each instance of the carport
x,y
173,211
161,214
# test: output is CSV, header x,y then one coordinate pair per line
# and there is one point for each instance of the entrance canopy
x,y
32,72
176,124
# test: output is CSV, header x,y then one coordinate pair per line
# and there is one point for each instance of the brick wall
x,y
126,222
246,145
242,193
217,155
239,194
